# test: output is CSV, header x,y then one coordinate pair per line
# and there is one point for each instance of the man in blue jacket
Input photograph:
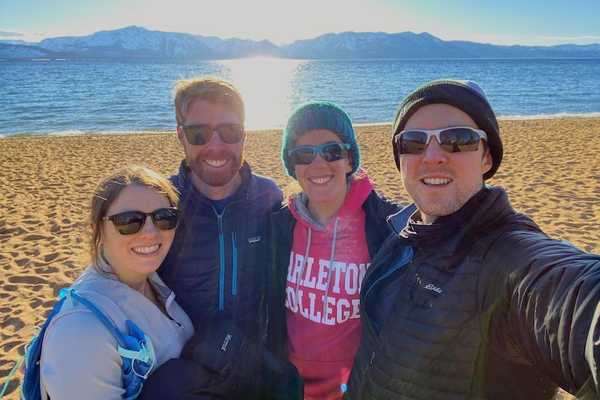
x,y
470,299
217,265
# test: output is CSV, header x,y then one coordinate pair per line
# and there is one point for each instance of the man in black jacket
x,y
470,299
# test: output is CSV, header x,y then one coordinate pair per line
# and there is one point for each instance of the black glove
x,y
180,379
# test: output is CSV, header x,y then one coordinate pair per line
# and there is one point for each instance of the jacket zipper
x,y
234,267
221,263
222,258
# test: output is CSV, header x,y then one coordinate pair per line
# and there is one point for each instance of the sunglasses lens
x,y
197,134
412,142
165,218
200,134
231,133
303,155
456,140
333,152
129,222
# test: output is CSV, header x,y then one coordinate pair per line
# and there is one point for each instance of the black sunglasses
x,y
199,134
130,222
330,151
452,140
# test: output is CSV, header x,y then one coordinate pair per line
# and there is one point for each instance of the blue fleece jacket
x,y
218,261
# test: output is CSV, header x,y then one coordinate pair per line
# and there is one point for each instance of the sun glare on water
x,y
267,87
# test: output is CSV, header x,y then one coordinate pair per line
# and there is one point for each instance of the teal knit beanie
x,y
318,115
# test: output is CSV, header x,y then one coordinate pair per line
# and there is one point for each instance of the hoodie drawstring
x,y
299,277
332,255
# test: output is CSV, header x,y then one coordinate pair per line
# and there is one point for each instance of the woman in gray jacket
x,y
133,219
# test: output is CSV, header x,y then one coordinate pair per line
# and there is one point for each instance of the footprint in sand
x,y
6,347
35,303
16,323
21,262
27,279
51,256
35,237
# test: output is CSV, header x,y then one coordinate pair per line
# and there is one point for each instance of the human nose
x,y
149,228
215,138
434,154
319,160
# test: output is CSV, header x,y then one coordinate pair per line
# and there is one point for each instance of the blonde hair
x,y
211,89
109,189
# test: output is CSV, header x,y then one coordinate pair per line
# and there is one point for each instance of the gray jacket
x,y
79,355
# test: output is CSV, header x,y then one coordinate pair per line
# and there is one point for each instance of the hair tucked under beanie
x,y
464,95
318,115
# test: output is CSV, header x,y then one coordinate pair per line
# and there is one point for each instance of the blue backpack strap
x,y
135,349
72,294
30,386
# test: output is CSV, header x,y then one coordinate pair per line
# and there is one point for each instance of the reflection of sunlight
x,y
266,86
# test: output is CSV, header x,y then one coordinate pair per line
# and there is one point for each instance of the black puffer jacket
x,y
376,208
479,305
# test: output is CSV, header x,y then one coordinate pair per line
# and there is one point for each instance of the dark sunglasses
x,y
130,222
452,140
331,151
200,134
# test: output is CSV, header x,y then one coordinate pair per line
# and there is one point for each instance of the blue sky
x,y
533,22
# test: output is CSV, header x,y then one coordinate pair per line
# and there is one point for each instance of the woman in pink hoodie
x,y
324,239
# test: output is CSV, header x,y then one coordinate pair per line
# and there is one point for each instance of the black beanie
x,y
464,95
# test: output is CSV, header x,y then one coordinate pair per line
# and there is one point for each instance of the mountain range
x,y
135,42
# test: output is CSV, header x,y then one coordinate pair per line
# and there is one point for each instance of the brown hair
x,y
109,189
211,89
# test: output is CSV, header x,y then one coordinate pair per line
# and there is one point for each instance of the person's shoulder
x,y
180,180
264,192
383,203
77,329
282,213
265,183
526,248
79,358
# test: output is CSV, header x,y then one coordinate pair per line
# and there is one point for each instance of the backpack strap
x,y
134,347
30,385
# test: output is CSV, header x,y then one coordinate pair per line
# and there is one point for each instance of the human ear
x,y
486,161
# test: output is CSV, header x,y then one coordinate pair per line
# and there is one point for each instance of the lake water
x,y
42,97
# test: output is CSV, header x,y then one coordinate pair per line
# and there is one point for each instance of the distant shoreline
x,y
186,60
542,117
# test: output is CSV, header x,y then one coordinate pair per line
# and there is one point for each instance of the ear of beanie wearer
x,y
318,115
468,97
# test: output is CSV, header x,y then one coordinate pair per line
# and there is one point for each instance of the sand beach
x,y
551,170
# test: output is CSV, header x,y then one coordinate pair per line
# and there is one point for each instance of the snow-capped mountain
x,y
132,41
139,43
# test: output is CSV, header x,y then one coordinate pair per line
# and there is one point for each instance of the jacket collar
x,y
450,236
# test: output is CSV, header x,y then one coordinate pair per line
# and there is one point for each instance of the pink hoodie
x,y
327,266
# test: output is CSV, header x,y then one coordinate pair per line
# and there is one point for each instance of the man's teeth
x,y
436,181
216,163
146,249
320,180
